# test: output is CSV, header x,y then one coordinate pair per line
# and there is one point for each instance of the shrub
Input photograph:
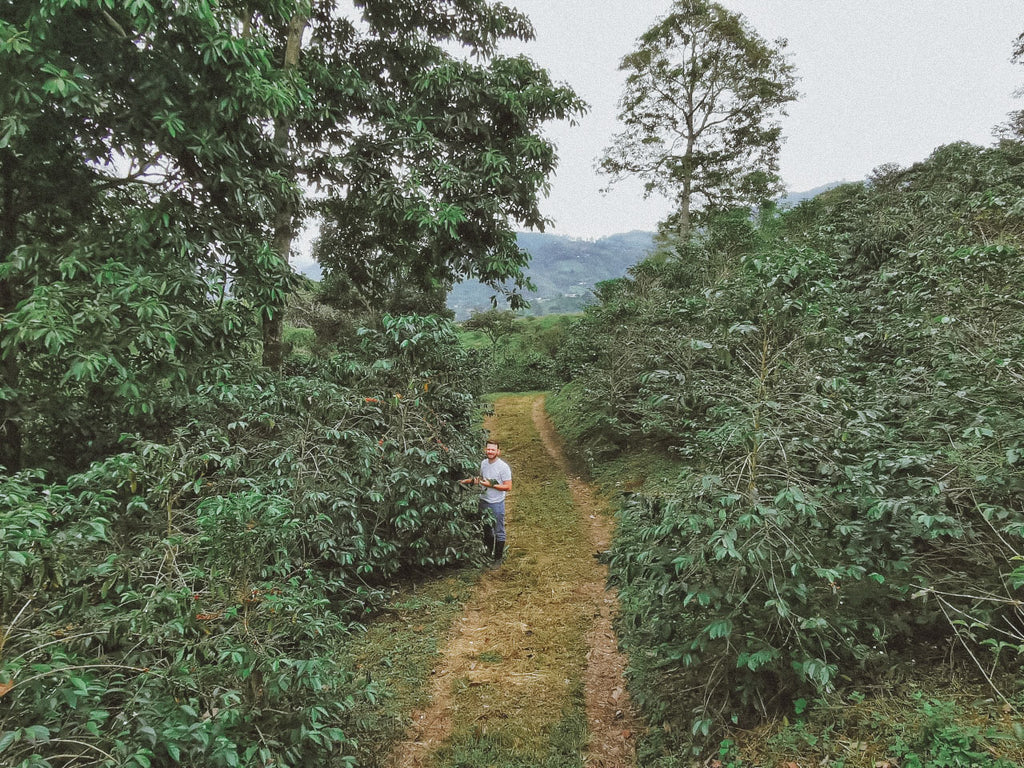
x,y
841,389
181,601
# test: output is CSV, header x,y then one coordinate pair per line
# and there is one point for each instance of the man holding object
x,y
496,480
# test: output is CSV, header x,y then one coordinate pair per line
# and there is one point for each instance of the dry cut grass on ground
x,y
529,673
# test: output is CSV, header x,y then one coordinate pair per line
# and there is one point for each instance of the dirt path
x,y
611,721
535,643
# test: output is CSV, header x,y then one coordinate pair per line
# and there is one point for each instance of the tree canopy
x,y
156,159
700,111
446,158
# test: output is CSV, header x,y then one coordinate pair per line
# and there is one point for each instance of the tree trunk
x,y
10,424
684,214
284,225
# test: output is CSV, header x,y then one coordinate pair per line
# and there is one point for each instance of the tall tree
x,y
137,173
444,155
153,158
700,109
285,213
494,323
1014,128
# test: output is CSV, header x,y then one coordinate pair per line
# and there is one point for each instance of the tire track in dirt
x,y
611,725
432,726
611,721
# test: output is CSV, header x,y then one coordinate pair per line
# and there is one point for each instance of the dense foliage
x,y
138,178
518,353
180,601
440,154
700,111
157,157
185,534
838,387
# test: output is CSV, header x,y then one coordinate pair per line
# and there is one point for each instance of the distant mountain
x,y
794,198
563,269
566,269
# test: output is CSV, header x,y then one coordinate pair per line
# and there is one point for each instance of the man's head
x,y
491,450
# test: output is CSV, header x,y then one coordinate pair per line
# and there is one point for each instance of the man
x,y
496,479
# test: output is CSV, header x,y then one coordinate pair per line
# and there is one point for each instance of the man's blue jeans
x,y
497,512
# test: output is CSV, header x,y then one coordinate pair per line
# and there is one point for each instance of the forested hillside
x,y
819,416
563,270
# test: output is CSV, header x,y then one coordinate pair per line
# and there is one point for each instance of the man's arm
x,y
503,486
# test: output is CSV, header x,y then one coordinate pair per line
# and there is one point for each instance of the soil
x,y
515,687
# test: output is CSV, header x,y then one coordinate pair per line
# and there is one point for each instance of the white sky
x,y
881,81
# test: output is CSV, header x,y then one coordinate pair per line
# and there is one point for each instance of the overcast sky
x,y
881,81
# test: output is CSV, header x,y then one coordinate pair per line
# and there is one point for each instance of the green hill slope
x,y
563,269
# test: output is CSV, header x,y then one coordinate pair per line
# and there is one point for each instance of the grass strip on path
x,y
509,691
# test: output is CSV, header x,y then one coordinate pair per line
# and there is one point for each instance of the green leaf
x,y
18,558
37,734
720,628
8,738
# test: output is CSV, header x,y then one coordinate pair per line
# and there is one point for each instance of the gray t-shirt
x,y
497,471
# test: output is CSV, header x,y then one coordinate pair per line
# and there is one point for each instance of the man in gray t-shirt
x,y
496,479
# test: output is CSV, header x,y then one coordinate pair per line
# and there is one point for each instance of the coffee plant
x,y
839,387
179,601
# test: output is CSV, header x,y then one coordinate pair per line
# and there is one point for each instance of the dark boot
x,y
489,540
499,551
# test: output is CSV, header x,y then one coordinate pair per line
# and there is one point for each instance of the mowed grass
x,y
519,701
523,703
395,656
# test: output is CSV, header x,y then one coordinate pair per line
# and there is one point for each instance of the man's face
x,y
491,451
